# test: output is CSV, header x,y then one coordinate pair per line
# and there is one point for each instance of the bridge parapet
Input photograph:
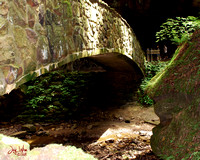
x,y
38,36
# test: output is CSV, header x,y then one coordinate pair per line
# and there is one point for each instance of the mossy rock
x,y
67,9
176,92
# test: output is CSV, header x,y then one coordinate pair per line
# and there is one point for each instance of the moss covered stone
x,y
176,92
3,26
67,9
20,36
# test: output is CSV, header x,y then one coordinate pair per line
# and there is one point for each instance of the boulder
x,y
176,92
29,128
13,148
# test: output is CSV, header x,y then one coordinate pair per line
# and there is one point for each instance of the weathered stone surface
x,y
8,144
31,14
33,3
11,74
29,65
43,54
3,7
37,35
17,15
32,35
20,36
3,26
7,48
176,92
2,83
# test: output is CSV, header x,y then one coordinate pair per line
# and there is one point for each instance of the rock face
x,y
176,92
13,148
37,36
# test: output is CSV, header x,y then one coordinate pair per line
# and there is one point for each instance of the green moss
x,y
177,140
177,104
67,9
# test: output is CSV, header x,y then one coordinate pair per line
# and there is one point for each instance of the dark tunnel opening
x,y
106,84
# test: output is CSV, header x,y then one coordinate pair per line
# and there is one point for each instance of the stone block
x,y
31,35
43,52
17,16
4,7
3,26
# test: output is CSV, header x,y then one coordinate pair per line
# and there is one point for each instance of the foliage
x,y
144,99
55,93
151,69
178,30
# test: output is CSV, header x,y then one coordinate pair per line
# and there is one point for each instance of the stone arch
x,y
55,33
110,60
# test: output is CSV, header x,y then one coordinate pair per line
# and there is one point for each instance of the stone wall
x,y
37,36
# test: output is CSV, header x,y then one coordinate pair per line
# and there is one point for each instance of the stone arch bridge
x,y
37,36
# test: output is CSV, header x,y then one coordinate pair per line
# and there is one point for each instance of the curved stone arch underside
x,y
37,37
108,58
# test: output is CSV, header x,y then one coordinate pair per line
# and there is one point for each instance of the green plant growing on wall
x,y
151,69
178,30
55,93
67,8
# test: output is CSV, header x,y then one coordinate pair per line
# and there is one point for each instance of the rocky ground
x,y
116,133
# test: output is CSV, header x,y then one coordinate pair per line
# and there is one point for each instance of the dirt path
x,y
116,133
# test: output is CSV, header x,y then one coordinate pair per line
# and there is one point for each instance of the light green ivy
x,y
178,30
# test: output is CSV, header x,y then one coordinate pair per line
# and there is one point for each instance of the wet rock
x,y
29,128
21,134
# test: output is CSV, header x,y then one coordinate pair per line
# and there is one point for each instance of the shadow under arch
x,y
115,78
117,62
110,59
